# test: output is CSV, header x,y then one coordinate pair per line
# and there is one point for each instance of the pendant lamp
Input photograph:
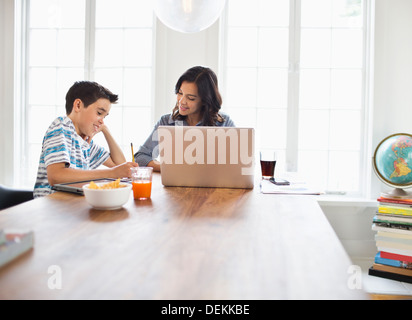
x,y
188,16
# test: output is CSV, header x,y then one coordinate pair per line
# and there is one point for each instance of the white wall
x,y
393,74
175,53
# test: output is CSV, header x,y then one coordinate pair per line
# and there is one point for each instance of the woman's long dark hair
x,y
208,91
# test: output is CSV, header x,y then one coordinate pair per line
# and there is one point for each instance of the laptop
x,y
220,157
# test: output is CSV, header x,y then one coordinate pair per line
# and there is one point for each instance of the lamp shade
x,y
188,16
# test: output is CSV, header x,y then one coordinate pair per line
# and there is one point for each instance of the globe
x,y
392,163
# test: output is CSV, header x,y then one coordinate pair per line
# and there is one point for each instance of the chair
x,y
10,197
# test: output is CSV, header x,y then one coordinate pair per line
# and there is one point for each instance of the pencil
x,y
131,144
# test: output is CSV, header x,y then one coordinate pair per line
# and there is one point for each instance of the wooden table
x,y
184,243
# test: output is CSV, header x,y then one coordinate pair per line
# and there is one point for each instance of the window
x,y
71,40
295,70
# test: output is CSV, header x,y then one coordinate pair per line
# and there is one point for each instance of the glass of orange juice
x,y
142,182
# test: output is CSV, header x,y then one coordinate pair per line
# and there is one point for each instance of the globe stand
x,y
397,193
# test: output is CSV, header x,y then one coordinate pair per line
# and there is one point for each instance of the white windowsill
x,y
342,201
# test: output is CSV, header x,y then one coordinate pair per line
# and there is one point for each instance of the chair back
x,y
10,197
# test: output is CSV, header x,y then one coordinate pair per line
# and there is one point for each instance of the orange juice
x,y
142,189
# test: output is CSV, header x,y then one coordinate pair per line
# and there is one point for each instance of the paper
x,y
294,188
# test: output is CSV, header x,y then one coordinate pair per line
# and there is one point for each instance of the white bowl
x,y
107,199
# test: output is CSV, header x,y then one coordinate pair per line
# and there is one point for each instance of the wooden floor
x,y
389,297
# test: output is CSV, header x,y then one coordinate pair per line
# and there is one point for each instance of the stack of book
x,y
13,244
393,224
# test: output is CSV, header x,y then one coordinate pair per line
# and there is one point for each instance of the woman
x,y
198,104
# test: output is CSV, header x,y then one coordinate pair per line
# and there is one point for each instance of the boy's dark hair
x,y
89,92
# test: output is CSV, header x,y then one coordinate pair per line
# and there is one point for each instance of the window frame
x,y
24,164
292,135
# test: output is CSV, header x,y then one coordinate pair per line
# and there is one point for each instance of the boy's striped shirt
x,y
61,143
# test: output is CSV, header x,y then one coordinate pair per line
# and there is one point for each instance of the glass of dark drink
x,y
267,163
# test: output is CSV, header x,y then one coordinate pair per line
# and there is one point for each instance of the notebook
x,y
221,157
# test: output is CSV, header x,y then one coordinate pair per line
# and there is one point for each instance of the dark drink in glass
x,y
268,169
268,163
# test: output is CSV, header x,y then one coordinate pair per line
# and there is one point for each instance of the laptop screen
x,y
206,156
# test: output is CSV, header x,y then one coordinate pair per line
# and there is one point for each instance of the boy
x,y
68,152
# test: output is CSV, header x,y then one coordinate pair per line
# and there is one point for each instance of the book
x,y
14,244
376,227
404,241
392,263
393,245
394,235
398,205
395,210
403,271
393,218
393,225
402,252
389,275
395,256
407,202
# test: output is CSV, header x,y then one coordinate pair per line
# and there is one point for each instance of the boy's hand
x,y
59,173
123,170
102,128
